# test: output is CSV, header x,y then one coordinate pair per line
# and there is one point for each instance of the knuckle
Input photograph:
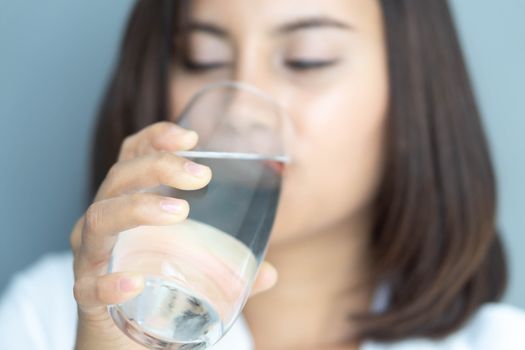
x,y
158,129
75,234
111,180
78,291
127,143
73,241
92,217
113,172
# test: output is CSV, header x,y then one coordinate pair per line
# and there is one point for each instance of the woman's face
x,y
325,61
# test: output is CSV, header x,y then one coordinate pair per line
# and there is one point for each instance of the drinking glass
x,y
199,272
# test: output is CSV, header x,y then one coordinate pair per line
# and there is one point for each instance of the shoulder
x,y
48,268
50,279
38,305
494,326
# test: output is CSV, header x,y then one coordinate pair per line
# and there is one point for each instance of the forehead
x,y
271,13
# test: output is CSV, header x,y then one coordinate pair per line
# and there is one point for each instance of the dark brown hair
x,y
434,240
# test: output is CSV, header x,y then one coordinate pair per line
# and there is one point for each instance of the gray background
x,y
54,60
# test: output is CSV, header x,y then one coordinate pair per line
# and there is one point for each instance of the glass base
x,y
132,330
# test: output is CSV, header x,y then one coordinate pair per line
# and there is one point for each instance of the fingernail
x,y
130,283
173,206
195,169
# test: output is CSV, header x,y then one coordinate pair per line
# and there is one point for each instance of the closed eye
x,y
298,65
305,65
201,67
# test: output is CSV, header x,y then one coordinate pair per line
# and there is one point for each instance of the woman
x,y
385,234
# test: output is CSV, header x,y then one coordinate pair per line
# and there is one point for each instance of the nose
x,y
250,107
258,116
249,110
252,120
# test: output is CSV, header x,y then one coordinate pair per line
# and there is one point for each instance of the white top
x,y
38,312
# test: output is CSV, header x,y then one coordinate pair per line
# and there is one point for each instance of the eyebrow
x,y
209,28
312,22
301,24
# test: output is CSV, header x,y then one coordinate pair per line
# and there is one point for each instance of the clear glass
x,y
200,271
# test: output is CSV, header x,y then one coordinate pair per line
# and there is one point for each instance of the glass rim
x,y
284,157
233,155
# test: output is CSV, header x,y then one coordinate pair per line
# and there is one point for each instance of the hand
x,y
146,160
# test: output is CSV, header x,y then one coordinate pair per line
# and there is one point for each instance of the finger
x,y
105,219
74,239
266,279
149,171
109,289
162,136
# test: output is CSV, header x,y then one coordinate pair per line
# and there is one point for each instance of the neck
x,y
323,279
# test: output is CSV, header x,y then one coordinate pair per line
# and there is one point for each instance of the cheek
x,y
339,151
